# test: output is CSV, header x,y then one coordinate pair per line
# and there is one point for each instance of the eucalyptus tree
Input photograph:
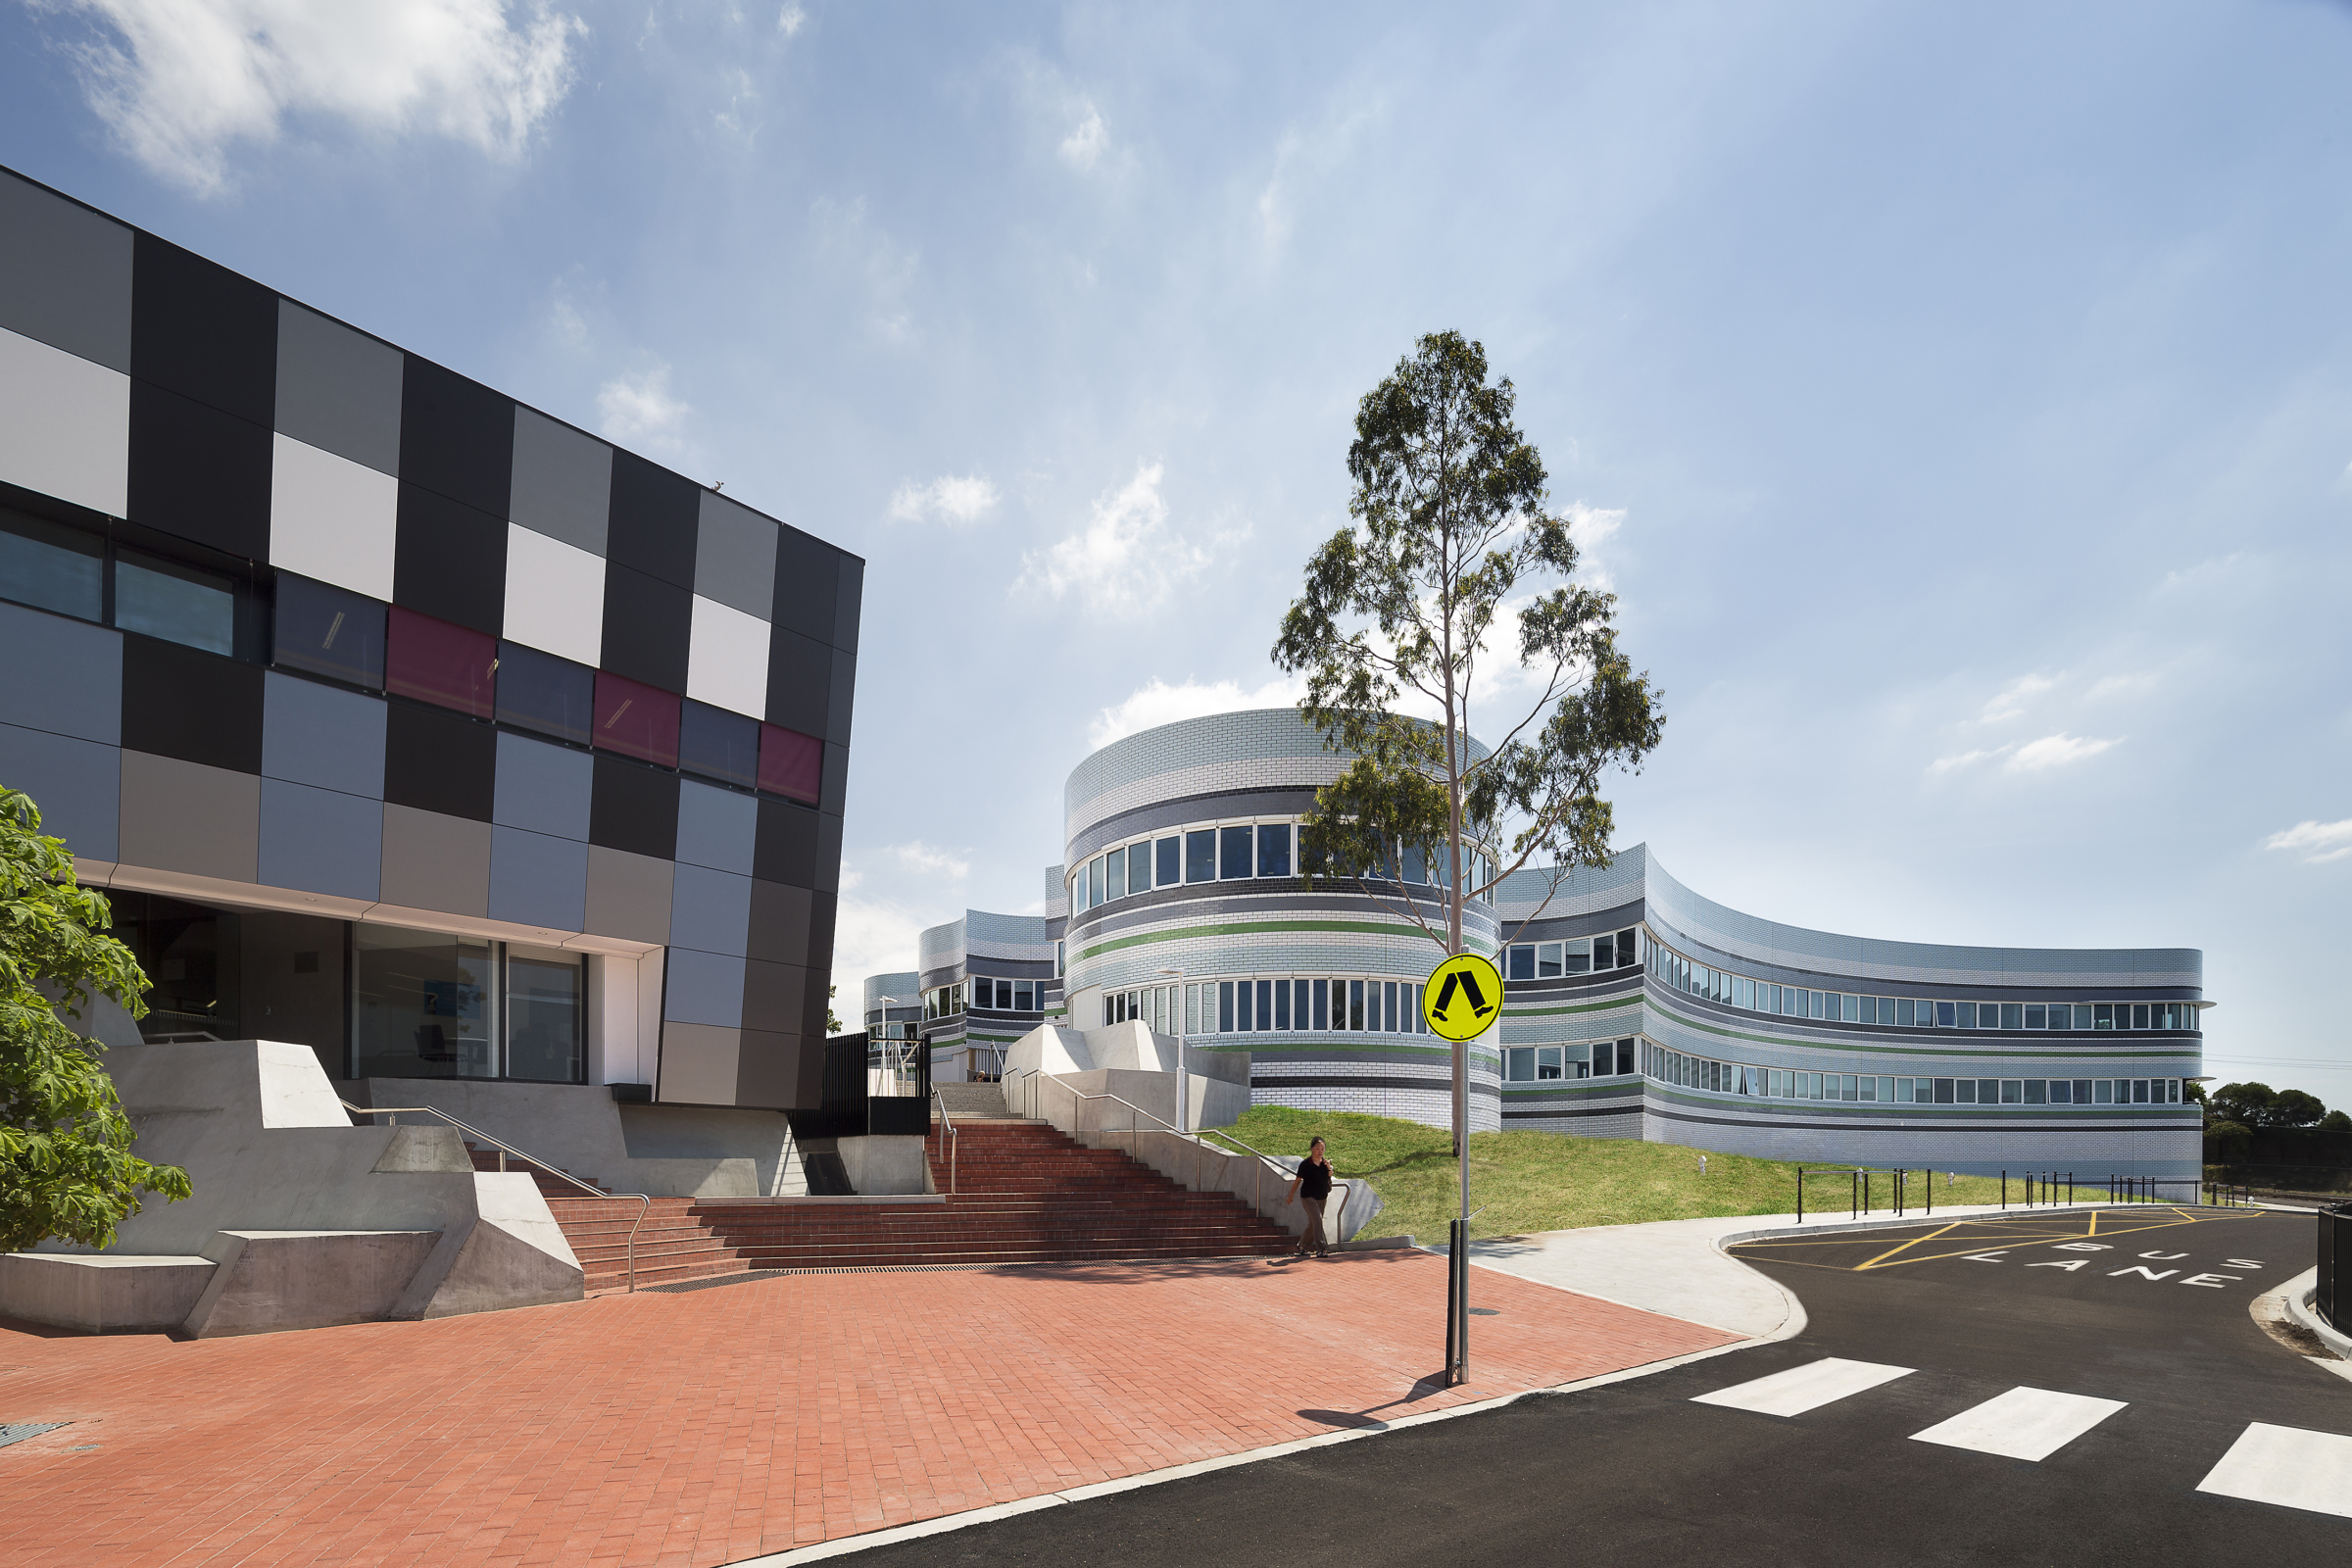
x,y
1455,562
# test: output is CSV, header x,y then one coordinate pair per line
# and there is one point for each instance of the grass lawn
x,y
1530,1180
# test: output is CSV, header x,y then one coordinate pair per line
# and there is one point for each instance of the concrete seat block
x,y
102,1293
274,1280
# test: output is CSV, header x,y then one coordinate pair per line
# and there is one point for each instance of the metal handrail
x,y
1198,1141
644,1202
952,1150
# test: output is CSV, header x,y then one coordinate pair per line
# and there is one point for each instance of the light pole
x,y
1182,1101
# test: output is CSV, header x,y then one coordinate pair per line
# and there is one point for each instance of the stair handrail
x,y
1198,1140
953,1148
644,1202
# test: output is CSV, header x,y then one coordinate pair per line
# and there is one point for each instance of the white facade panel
x,y
332,518
65,425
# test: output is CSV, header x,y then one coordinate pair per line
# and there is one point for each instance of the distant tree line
x,y
2281,1126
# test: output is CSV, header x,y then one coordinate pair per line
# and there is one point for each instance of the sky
x,y
1959,399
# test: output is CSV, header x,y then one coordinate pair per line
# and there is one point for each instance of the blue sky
x,y
1958,398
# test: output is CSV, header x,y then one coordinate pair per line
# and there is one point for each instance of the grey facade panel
x,y
433,862
64,273
705,987
543,788
80,692
710,910
321,841
717,828
735,557
562,485
323,736
77,784
536,879
628,895
338,390
186,816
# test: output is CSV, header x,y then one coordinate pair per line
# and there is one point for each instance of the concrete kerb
x,y
2295,1301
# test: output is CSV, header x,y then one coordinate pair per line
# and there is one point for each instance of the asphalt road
x,y
2153,1321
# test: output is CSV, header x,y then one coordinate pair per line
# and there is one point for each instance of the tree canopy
x,y
1453,535
66,1170
2260,1106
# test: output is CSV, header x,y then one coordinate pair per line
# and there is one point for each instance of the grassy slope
x,y
1532,1181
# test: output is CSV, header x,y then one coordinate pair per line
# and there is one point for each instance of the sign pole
x,y
1461,999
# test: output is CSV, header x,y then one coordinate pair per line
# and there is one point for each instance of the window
x,y
51,566
1114,875
1851,1007
1200,854
1024,995
1945,1015
1274,848
2036,1017
1094,883
1522,964
535,690
329,632
179,604
436,662
642,721
2081,1014
424,1005
2102,1015
1233,852
547,1019
1139,867
1169,852
725,746
1225,1007
1603,950
2139,1016
2013,1016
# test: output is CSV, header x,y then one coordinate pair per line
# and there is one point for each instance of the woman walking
x,y
1313,1183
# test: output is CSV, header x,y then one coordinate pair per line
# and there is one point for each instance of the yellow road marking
x,y
2001,1233
1914,1242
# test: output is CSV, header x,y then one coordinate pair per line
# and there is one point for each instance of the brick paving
x,y
704,1427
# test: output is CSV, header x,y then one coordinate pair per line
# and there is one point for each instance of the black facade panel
x,y
775,995
202,331
439,761
828,852
800,677
653,526
456,437
785,849
807,584
849,605
842,694
767,1072
634,808
198,472
823,910
649,627
191,705
779,925
450,560
835,788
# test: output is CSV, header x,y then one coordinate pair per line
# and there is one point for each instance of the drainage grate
x,y
17,1432
716,1280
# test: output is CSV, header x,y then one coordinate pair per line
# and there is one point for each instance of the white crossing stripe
x,y
2292,1468
1805,1387
2022,1424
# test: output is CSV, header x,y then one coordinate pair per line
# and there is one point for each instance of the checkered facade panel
x,y
480,663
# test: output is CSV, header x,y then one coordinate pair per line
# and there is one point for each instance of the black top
x,y
1314,1180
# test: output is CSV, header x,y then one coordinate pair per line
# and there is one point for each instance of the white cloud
x,y
2326,841
2056,750
180,82
2010,701
916,856
2030,756
1083,148
791,20
951,500
640,408
870,936
1125,557
1159,703
880,266
1590,529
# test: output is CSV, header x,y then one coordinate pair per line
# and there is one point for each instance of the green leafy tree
x,y
2247,1105
2228,1140
2294,1109
1451,546
2335,1121
66,1170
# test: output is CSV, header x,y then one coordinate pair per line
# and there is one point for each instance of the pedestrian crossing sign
x,y
1462,997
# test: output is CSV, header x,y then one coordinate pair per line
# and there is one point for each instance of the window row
x,y
1006,995
1599,1058
1219,853
1736,1078
1906,1012
943,1001
1546,960
1286,1005
70,573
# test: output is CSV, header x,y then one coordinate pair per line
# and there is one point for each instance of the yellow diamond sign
x,y
1462,998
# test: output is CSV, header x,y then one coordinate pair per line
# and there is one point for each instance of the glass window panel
x,y
1416,865
535,691
1944,1091
179,604
2139,1091
723,746
331,632
1902,1091
1547,960
1903,1011
1094,882
1200,854
2102,1091
1024,999
2013,1016
2081,1094
1274,848
1547,1061
2082,1015
2061,1016
1355,1005
1114,875
422,1003
2102,1015
1847,1088
1522,960
2036,1017
2062,1091
435,661
1138,867
1988,1091
1265,1003
1625,950
1605,1057
1302,1009
1322,1004
1169,854
1225,1007
51,566
1282,1004
546,1022
1817,1002
642,721
1519,1065
1861,1009
2139,1016
1603,946
2037,1092
1233,852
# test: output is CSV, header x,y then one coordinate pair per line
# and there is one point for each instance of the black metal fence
x,y
2332,1303
1901,1191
